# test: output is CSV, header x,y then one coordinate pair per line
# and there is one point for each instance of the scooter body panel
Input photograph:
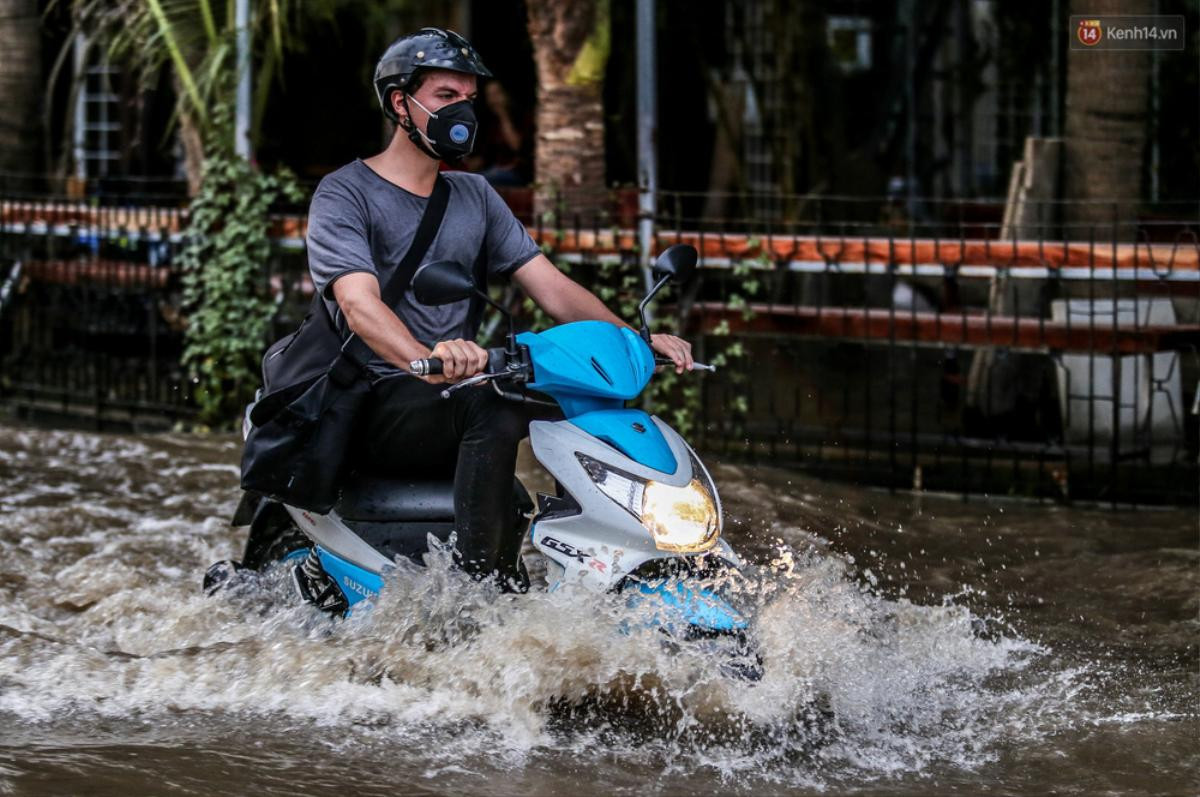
x,y
604,542
633,433
356,583
334,537
590,368
589,365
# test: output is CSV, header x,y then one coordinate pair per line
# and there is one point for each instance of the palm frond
x,y
196,40
210,26
276,28
182,70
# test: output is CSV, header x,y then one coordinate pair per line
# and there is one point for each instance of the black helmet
x,y
428,48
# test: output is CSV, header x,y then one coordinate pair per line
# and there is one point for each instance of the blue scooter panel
x,y
589,365
355,583
697,607
633,433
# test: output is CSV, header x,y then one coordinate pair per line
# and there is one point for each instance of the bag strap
x,y
427,230
479,272
355,352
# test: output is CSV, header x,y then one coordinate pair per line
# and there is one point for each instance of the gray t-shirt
x,y
358,221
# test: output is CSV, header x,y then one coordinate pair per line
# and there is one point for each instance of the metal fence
x,y
936,354
1035,369
89,312
927,353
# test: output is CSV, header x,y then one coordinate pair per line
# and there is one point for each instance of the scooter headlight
x,y
681,519
624,488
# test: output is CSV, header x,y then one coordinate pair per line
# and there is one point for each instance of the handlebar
x,y
500,361
497,360
696,366
430,366
503,363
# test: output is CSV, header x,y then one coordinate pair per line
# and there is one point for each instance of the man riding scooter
x,y
362,221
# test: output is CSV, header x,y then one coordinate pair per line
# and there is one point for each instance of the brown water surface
x,y
911,645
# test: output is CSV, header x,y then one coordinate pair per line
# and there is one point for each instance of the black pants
x,y
408,429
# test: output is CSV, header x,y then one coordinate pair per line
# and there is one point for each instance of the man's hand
x,y
460,359
678,349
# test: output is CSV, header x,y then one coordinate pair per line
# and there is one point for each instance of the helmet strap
x,y
414,133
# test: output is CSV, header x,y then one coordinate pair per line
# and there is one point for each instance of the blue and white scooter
x,y
634,511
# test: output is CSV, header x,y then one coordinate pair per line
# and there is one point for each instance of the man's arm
x,y
566,300
368,317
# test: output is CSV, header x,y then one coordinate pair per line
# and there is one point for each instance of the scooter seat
x,y
376,498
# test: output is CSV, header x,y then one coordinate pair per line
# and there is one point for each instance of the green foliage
x,y
227,247
619,285
679,397
227,241
730,355
589,65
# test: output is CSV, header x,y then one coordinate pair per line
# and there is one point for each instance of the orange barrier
x,y
945,328
80,215
901,251
107,272
1183,255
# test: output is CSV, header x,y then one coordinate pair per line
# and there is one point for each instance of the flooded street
x,y
910,645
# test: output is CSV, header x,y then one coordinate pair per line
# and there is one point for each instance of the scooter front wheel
x,y
688,612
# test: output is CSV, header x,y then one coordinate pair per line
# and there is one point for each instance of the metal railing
x,y
942,357
934,355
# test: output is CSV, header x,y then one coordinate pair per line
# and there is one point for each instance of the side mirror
x,y
678,263
443,282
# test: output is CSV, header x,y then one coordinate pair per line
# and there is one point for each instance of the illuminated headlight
x,y
682,519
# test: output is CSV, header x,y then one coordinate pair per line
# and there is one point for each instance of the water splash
x,y
101,616
848,677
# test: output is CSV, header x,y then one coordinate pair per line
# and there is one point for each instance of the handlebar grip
x,y
430,366
696,366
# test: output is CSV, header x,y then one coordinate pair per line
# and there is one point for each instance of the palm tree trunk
x,y
193,152
1105,130
20,85
570,45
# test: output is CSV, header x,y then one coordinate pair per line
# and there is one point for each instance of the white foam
x,y
104,616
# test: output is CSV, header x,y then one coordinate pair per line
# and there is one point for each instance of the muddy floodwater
x,y
910,645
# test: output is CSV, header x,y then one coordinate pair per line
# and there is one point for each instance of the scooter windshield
x,y
589,365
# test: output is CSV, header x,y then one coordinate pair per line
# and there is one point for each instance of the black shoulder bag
x,y
314,385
